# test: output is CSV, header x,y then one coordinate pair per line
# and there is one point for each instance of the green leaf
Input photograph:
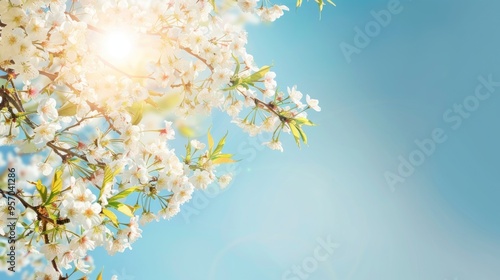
x,y
302,134
99,277
109,175
223,156
136,207
304,121
222,160
123,194
237,70
295,133
164,102
111,216
56,187
68,109
186,131
320,4
37,226
255,77
188,152
210,141
57,182
299,3
136,111
42,190
114,204
220,145
126,209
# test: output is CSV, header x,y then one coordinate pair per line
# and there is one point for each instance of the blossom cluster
x,y
78,77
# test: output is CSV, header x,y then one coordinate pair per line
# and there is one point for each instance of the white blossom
x,y
47,109
100,99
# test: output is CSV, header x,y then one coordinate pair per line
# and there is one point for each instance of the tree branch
x,y
189,51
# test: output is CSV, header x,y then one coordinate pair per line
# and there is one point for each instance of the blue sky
x,y
440,223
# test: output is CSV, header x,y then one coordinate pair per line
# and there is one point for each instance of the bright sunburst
x,y
118,45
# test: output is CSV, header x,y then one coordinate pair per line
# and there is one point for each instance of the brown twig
x,y
11,100
270,107
51,76
40,215
189,51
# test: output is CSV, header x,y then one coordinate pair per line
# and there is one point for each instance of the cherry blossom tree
x,y
77,80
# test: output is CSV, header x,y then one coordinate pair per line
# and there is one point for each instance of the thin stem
x,y
189,51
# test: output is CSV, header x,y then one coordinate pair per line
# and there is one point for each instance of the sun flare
x,y
118,45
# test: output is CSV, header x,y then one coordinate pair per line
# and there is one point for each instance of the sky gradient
x,y
440,223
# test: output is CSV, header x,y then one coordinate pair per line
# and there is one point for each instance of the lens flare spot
x,y
118,45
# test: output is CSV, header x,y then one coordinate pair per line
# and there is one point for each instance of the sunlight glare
x,y
118,45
